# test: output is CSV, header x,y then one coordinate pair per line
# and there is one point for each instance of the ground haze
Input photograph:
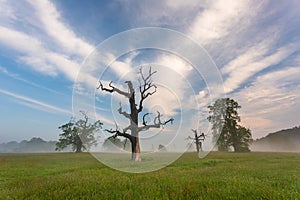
x,y
218,176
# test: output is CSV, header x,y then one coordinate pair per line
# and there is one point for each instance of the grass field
x,y
218,176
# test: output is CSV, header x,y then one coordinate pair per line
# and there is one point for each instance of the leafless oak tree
x,y
198,139
146,89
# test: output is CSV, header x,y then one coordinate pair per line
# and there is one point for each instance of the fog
x,y
287,140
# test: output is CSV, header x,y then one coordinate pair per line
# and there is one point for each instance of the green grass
x,y
217,176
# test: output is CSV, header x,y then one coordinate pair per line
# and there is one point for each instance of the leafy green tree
x,y
244,138
79,134
226,131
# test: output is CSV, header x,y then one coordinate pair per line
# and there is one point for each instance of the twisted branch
x,y
147,87
157,123
113,89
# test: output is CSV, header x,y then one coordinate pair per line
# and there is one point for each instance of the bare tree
x,y
197,139
146,89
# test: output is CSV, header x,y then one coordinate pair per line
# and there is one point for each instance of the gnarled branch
x,y
119,133
126,129
113,89
157,123
147,87
202,136
144,119
125,114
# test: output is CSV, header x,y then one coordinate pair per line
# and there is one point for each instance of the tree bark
x,y
235,139
134,115
138,157
79,146
197,142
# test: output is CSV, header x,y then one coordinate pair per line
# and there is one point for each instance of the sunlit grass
x,y
218,176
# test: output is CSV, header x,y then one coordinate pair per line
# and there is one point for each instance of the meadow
x,y
217,176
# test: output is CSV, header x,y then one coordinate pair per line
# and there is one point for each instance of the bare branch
x,y
86,118
125,114
113,89
202,136
118,133
189,138
130,86
157,123
147,87
83,122
126,129
144,120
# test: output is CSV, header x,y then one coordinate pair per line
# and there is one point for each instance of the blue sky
x,y
254,44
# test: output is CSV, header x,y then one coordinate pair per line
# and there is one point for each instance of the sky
x,y
50,50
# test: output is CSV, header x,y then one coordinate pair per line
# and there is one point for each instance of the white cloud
x,y
175,63
53,25
6,12
46,43
179,4
252,54
252,62
20,41
32,52
218,19
31,49
271,102
121,69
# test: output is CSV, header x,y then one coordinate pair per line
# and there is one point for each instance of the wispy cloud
x,y
32,52
272,101
33,103
19,78
252,62
217,20
51,22
52,48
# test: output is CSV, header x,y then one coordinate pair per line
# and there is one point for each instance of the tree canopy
x,y
226,131
78,134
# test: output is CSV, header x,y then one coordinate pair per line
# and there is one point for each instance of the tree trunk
x,y
235,141
236,146
234,136
135,146
133,149
79,146
136,151
197,142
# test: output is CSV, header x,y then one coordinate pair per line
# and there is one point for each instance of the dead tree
x,y
146,89
197,139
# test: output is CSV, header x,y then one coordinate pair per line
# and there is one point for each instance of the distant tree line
x,y
35,144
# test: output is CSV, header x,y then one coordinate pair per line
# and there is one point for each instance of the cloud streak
x,y
52,48
51,22
240,69
33,103
19,78
217,20
271,102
